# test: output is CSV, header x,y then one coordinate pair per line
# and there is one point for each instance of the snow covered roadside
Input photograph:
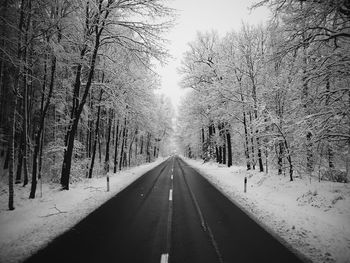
x,y
312,217
35,222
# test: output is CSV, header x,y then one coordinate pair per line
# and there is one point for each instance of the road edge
x,y
267,228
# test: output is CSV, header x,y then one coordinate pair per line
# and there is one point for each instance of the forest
x,y
171,127
77,88
272,96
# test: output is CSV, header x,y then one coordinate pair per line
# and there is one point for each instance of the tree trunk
x,y
223,147
246,144
266,161
67,162
19,161
90,137
38,136
122,147
229,148
136,141
113,131
348,155
116,148
99,147
289,158
130,147
224,153
41,156
280,157
96,135
141,146
125,160
220,154
148,154
25,96
290,168
329,146
25,131
109,129
211,130
90,127
121,152
305,102
252,140
11,137
309,154
7,158
76,112
348,163
204,154
261,165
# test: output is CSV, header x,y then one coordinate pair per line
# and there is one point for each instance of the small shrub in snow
x,y
337,198
335,176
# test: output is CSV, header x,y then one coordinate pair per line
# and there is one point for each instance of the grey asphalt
x,y
170,213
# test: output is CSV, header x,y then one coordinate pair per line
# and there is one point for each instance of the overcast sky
x,y
202,15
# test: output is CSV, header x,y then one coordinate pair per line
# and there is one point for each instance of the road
x,y
170,214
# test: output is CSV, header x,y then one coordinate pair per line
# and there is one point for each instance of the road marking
x,y
164,258
171,195
215,245
204,224
196,205
171,177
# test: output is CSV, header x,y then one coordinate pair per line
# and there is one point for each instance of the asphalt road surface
x,y
170,214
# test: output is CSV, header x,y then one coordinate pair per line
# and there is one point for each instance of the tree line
x,y
77,88
275,94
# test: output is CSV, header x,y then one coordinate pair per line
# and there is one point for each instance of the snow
x,y
35,222
311,217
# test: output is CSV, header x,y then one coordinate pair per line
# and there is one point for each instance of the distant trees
x,y
75,84
282,91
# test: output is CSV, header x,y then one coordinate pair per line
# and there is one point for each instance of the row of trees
x,y
76,82
273,94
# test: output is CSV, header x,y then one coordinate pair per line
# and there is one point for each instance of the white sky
x,y
201,15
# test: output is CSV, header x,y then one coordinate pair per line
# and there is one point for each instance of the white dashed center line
x,y
164,258
171,195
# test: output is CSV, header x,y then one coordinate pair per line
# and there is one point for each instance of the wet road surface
x,y
170,214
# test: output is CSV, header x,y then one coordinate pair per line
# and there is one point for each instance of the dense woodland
x,y
77,90
275,95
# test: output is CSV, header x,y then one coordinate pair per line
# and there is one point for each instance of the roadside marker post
x,y
245,184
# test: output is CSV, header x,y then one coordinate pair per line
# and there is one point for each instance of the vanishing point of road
x,y
170,214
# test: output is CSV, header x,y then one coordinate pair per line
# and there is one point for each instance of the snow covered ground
x,y
311,217
35,222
